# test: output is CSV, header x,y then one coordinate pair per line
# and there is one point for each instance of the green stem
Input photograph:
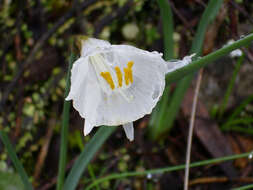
x,y
15,161
85,157
244,187
176,98
64,129
210,58
167,169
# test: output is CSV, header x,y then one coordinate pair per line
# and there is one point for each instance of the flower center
x,y
112,78
107,76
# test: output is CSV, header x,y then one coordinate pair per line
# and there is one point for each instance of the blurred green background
x,y
36,38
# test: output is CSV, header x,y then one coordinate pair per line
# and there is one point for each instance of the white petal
x,y
91,44
78,76
100,102
87,127
129,130
177,64
88,96
147,87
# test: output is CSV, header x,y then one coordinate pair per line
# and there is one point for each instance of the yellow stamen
x,y
119,76
108,78
128,72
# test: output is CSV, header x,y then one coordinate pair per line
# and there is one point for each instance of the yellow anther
x,y
119,76
128,72
130,64
108,78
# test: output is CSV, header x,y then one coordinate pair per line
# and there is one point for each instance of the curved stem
x,y
167,169
190,134
204,61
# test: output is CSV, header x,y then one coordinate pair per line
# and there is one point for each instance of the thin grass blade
x,y
167,169
168,28
167,19
244,187
239,109
15,160
207,17
230,86
85,157
64,129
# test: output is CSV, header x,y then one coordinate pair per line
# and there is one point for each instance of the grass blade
x,y
167,20
167,169
244,187
64,129
159,112
208,16
15,161
230,86
247,131
239,109
85,157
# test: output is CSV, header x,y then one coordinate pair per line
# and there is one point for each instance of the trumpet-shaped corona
x,y
117,84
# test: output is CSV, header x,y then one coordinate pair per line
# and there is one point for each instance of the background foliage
x,y
36,36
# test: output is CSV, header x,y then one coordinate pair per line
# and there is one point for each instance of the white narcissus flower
x,y
117,84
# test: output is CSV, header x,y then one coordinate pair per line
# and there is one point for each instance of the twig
x,y
189,142
207,180
44,150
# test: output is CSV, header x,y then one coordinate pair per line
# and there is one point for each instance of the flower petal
x,y
87,127
91,44
117,84
129,130
177,64
88,97
78,76
143,94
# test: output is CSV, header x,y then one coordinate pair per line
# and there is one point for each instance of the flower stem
x,y
64,130
204,61
167,169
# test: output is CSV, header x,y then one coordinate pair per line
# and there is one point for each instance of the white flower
x,y
117,84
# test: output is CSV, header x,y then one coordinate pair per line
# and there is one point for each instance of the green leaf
x,y
64,129
10,181
230,86
85,157
177,97
15,161
167,20
157,117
